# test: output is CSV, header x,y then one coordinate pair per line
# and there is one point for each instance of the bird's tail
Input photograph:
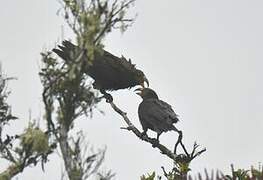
x,y
174,128
67,51
175,119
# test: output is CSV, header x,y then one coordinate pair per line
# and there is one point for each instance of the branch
x,y
10,172
112,20
194,153
65,150
8,156
155,143
19,165
164,150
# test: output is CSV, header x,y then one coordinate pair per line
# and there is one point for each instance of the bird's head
x,y
141,78
146,93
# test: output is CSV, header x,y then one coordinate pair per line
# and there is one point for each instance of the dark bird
x,y
154,113
109,72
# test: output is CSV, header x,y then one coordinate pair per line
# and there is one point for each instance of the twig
x,y
9,156
164,172
112,20
164,150
178,141
18,166
143,137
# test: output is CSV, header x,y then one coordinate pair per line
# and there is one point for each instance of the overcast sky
x,y
202,57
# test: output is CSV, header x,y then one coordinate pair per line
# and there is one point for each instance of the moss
x,y
76,174
35,140
148,177
10,172
5,176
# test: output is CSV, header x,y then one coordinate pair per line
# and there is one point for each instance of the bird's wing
x,y
67,51
109,72
167,109
157,115
121,63
114,72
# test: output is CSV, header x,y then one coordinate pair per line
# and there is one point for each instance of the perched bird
x,y
109,72
154,113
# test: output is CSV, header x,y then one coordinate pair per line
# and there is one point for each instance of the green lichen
x,y
34,140
5,176
76,174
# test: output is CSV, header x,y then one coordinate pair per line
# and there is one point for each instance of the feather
x,y
156,114
109,72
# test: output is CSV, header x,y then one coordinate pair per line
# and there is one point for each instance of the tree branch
x,y
155,143
19,165
164,150
10,172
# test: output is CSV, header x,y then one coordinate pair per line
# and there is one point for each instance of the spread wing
x,y
109,72
112,72
67,51
157,115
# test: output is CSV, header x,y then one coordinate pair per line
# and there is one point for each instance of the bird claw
x,y
143,135
108,98
155,143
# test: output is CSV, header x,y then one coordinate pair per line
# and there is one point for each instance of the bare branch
x,y
178,159
143,137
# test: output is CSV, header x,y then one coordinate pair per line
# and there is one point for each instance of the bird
x,y
108,71
154,113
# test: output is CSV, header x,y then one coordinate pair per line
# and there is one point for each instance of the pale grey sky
x,y
202,57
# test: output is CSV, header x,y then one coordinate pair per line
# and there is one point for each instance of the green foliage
x,y
257,173
239,174
34,140
68,93
5,109
5,116
33,146
92,20
183,167
106,175
242,174
66,83
76,174
178,172
5,176
148,177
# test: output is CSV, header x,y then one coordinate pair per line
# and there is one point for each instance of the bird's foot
x,y
108,98
106,95
143,135
155,143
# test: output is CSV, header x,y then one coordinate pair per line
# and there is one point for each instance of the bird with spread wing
x,y
108,71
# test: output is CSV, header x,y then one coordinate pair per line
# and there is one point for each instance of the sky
x,y
203,57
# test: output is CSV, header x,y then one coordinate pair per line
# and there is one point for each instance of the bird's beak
x,y
138,91
145,80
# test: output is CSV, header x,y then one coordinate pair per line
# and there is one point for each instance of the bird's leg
x,y
144,133
179,132
156,141
107,96
158,135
